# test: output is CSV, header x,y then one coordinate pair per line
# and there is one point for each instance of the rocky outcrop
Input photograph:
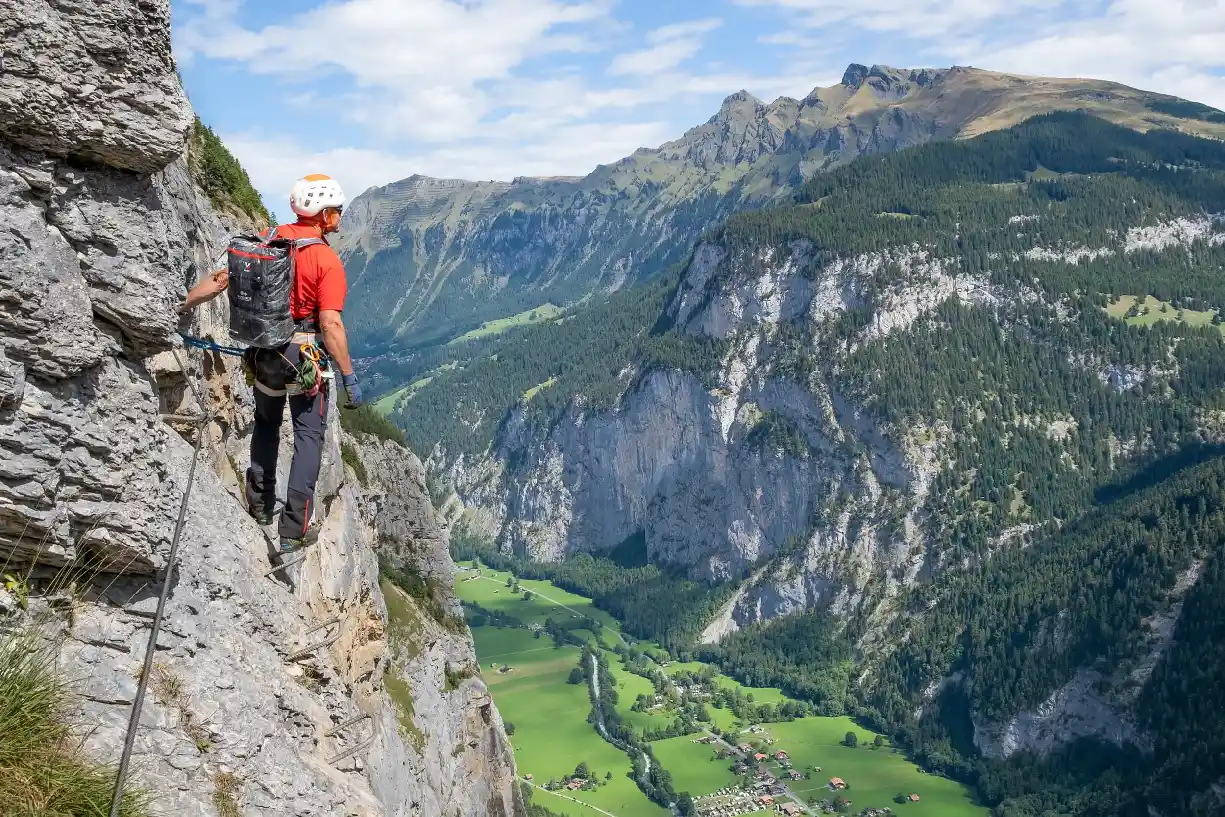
x,y
92,82
260,684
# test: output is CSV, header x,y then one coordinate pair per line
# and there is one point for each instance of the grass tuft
x,y
43,767
226,786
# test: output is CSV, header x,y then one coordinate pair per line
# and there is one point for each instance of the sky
x,y
372,91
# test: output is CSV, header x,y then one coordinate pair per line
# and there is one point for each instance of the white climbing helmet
x,y
315,193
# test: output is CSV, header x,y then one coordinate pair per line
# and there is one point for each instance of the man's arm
x,y
334,339
209,287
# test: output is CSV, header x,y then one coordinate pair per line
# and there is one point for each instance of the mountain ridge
x,y
430,259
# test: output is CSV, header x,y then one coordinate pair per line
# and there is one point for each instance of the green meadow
x,y
1150,311
525,318
552,734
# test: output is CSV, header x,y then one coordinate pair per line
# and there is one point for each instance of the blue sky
x,y
370,91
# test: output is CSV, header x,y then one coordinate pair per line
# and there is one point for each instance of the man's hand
x,y
353,390
210,287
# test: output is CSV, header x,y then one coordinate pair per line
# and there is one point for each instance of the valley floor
x,y
528,675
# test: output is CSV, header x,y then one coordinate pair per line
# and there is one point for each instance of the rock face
x,y
432,258
722,478
92,81
259,683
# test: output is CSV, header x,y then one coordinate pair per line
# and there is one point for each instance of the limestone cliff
x,y
260,684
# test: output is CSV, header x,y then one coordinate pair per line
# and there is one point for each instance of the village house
x,y
837,783
780,755
790,809
766,800
760,756
575,784
794,775
914,798
744,747
527,776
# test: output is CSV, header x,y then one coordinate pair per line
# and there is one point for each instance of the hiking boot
x,y
265,515
291,544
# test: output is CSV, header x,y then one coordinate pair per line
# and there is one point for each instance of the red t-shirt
x,y
320,277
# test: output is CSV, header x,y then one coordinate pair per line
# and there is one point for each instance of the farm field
x,y
552,734
873,776
691,766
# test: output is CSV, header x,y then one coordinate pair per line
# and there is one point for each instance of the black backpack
x,y
262,269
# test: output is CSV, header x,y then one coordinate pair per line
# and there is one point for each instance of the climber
x,y
316,297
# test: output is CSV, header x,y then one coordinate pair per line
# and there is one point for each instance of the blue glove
x,y
353,390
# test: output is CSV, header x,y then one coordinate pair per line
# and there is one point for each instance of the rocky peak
x,y
854,75
740,101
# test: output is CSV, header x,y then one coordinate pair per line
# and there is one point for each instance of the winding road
x,y
572,800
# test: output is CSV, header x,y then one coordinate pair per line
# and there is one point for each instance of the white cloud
x,y
672,45
921,18
424,69
1171,46
274,163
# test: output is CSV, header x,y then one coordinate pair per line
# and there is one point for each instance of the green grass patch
x,y
350,457
402,697
1148,310
525,318
874,776
535,390
489,590
43,768
693,766
392,400
404,622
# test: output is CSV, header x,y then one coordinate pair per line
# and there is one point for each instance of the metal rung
x,y
348,753
287,563
305,651
318,627
340,727
186,418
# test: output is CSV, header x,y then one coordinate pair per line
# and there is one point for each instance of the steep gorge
x,y
307,693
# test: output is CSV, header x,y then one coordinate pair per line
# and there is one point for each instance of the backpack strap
x,y
299,243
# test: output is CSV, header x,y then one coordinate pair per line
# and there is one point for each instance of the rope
x,y
138,703
211,346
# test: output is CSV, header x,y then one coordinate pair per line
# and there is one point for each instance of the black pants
x,y
309,418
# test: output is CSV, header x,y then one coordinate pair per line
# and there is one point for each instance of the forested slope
x,y
1000,490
